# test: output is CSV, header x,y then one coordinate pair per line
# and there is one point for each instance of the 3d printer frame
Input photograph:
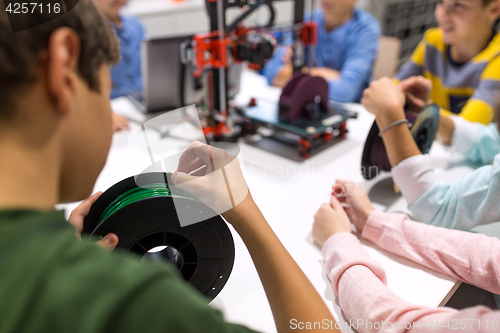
x,y
211,52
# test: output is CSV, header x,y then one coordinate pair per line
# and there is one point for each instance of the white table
x,y
289,193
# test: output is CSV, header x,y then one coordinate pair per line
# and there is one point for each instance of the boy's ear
x,y
495,9
63,51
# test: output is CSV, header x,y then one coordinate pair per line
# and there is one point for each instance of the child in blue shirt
x,y
126,75
345,53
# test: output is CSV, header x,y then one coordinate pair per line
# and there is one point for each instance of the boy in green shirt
x,y
55,134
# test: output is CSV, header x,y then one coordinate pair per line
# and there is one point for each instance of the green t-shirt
x,y
51,282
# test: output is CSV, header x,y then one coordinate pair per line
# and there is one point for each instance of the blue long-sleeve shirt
x,y
126,75
350,49
466,203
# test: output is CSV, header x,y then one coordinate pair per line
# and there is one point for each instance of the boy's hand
x,y
212,176
357,204
324,72
119,122
76,217
287,55
385,100
417,90
329,220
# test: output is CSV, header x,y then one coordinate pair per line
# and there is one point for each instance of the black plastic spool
x,y
203,251
423,128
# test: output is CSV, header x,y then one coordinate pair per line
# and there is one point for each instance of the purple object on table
x,y
300,92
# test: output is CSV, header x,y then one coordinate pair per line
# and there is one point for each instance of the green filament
x,y
136,194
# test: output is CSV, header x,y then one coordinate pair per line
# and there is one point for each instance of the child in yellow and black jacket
x,y
461,58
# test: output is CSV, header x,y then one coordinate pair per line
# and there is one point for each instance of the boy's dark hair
x,y
20,51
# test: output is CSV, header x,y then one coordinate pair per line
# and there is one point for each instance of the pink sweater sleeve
x,y
469,257
360,281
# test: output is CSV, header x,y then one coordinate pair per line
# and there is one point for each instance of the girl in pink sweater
x,y
360,282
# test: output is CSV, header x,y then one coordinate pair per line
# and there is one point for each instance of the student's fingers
x,y
109,242
342,199
287,55
183,181
195,165
417,85
79,213
123,122
350,189
214,158
194,151
415,101
119,122
407,83
347,208
202,171
335,203
342,186
124,126
423,83
338,189
414,83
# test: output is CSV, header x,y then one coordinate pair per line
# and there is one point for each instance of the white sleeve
x,y
414,176
464,135
479,143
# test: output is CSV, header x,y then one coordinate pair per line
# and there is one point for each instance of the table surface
x,y
289,193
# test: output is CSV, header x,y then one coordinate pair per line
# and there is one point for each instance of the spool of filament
x,y
145,220
423,128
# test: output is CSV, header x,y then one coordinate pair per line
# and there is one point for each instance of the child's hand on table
x,y
119,122
348,204
356,203
329,220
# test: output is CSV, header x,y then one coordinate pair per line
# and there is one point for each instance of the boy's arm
x,y
357,68
360,284
465,256
359,281
384,99
464,204
278,71
412,171
479,143
290,293
283,76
